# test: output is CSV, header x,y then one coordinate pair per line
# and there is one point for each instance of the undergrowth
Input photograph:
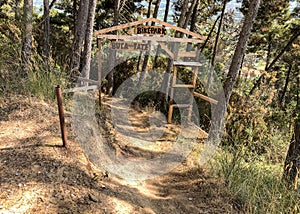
x,y
256,187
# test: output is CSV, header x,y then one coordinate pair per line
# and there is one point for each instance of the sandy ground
x,y
37,175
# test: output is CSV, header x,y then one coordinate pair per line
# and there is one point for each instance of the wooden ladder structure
x,y
174,85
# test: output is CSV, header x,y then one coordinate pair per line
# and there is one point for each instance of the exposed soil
x,y
37,175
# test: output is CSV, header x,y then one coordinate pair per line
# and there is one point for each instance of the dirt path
x,y
38,176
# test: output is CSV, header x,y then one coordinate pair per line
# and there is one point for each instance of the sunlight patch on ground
x,y
20,202
122,207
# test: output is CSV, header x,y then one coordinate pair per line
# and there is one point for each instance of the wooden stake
x,y
61,116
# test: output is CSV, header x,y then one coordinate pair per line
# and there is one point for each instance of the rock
x,y
190,199
93,198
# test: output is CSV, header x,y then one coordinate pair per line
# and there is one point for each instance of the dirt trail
x,y
38,176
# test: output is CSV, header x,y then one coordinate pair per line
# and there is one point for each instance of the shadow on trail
x,y
27,166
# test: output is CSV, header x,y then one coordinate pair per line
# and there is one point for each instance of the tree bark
x,y
218,34
146,59
80,31
193,24
286,84
165,20
46,38
269,50
27,37
88,40
112,56
240,49
292,161
209,34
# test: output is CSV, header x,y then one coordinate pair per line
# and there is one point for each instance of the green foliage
x,y
256,124
256,187
41,83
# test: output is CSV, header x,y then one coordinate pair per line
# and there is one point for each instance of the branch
x,y
52,4
292,39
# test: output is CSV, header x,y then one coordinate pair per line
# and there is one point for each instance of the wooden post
x,y
61,116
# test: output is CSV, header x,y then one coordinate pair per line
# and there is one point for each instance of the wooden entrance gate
x,y
137,31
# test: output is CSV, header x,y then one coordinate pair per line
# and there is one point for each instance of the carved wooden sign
x,y
130,46
152,30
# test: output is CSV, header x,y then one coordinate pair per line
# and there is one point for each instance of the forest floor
x,y
37,175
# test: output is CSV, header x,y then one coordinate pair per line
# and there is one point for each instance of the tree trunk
x,y
209,34
193,24
17,9
146,59
88,40
269,50
213,58
112,56
165,20
166,79
27,37
80,31
286,84
218,34
74,15
46,38
190,13
221,108
292,161
240,49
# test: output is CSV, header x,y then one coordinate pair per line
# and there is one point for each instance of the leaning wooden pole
x,y
61,116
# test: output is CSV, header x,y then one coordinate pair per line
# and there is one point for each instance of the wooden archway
x,y
156,33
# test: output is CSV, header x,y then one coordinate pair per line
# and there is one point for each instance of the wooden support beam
x,y
190,64
187,54
83,88
127,25
87,80
165,48
205,98
149,38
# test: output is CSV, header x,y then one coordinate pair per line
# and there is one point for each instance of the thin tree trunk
x,y
269,50
141,52
80,31
209,34
240,71
286,84
193,24
240,49
46,38
298,92
165,20
88,40
112,57
74,15
189,13
292,162
146,59
27,37
166,80
213,58
292,39
17,9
